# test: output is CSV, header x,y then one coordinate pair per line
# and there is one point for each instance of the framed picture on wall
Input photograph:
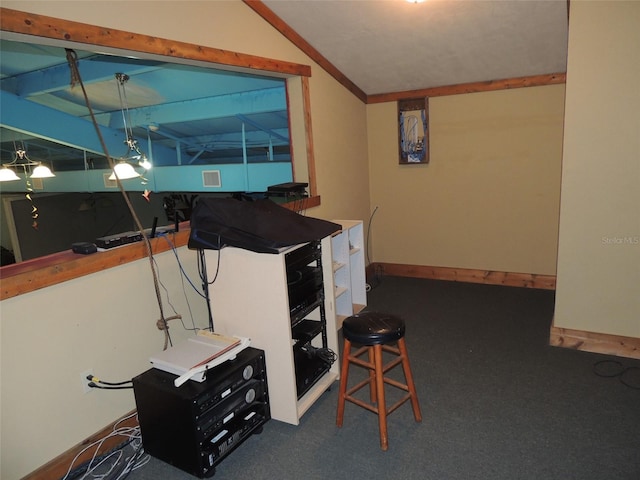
x,y
413,130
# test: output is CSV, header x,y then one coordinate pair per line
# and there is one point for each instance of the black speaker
x,y
195,426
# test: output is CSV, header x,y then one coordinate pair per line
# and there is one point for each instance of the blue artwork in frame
x,y
413,116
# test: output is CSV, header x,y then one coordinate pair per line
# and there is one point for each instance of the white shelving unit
x,y
348,266
249,298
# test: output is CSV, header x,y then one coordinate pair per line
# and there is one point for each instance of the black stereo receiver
x,y
195,426
304,279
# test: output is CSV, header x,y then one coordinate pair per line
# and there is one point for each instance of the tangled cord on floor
x,y
114,464
614,368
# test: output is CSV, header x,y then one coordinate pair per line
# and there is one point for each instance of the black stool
x,y
376,333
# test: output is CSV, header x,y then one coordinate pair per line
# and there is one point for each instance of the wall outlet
x,y
85,383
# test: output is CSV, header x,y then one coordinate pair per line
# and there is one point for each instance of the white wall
x,y
598,278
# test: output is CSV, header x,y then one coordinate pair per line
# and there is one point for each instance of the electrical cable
x,y
175,253
72,60
186,298
369,232
378,269
137,460
133,437
93,378
614,368
90,465
183,275
176,315
625,381
327,355
107,387
202,264
202,269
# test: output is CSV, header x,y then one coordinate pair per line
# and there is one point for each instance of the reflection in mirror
x,y
202,129
68,218
206,131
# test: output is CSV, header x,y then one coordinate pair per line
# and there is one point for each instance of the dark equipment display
x,y
195,426
306,293
84,248
260,226
288,190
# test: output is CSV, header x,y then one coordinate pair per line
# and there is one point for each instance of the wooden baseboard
x,y
58,467
527,280
595,342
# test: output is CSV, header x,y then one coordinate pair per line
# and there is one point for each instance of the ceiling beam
x,y
273,133
255,137
50,124
58,77
258,101
474,87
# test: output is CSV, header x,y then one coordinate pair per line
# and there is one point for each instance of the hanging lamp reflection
x,y
124,169
8,175
23,162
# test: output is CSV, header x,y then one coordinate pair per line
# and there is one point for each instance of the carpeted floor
x,y
498,403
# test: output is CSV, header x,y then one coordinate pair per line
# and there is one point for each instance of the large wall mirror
x,y
207,128
202,129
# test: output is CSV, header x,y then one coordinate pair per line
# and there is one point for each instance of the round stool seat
x,y
373,328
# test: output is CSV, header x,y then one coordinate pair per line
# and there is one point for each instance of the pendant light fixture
x,y
124,168
22,161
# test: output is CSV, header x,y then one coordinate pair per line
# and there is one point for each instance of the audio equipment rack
x,y
197,425
283,303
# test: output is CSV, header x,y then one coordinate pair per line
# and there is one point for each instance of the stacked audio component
x,y
306,294
195,426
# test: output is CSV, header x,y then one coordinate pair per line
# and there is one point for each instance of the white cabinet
x,y
250,297
348,266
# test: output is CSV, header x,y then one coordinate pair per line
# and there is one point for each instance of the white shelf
x,y
340,291
348,250
337,266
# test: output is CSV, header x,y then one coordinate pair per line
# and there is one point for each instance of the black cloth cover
x,y
260,226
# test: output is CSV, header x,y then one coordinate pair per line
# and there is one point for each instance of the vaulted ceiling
x,y
387,46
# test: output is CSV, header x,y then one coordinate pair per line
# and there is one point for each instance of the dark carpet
x,y
497,402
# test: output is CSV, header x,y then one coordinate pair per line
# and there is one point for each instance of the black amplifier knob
x,y
250,396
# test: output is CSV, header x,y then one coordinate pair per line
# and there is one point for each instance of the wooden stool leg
x,y
373,394
344,372
409,378
382,407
